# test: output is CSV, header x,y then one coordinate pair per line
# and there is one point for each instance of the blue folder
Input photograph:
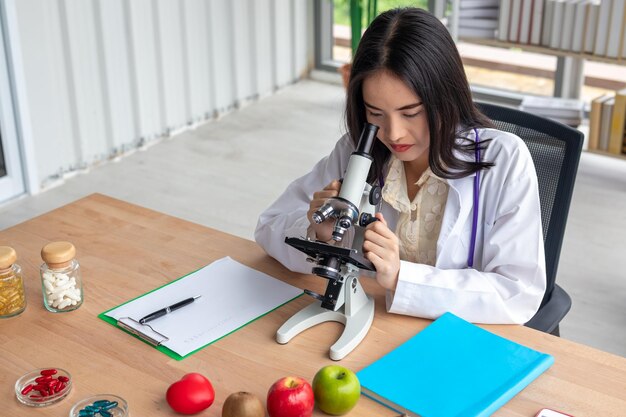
x,y
452,368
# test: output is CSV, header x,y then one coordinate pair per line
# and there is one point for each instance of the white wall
x,y
96,78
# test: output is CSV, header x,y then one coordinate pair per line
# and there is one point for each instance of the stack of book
x,y
585,26
566,111
478,18
520,21
607,123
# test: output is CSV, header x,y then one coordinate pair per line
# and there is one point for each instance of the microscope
x,y
341,260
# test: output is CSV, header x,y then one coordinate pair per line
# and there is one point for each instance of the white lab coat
x,y
508,281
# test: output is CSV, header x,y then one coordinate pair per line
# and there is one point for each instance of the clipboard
x,y
234,295
155,342
142,331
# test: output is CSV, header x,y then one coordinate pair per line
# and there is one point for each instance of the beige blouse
x,y
419,222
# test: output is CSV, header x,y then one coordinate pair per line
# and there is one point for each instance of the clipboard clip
x,y
143,331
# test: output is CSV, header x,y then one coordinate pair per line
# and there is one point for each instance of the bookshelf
x,y
523,14
574,31
545,50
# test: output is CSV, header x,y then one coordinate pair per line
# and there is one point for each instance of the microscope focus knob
x,y
366,218
375,195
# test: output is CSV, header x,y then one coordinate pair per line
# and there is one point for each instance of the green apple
x,y
336,389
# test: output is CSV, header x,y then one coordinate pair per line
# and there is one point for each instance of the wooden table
x,y
126,250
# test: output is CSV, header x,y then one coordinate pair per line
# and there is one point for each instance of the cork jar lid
x,y
8,256
58,254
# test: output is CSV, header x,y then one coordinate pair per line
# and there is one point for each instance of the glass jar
x,y
61,282
12,298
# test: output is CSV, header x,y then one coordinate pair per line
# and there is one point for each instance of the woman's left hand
x,y
381,247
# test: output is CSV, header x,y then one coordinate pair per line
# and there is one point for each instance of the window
x,y
334,28
503,73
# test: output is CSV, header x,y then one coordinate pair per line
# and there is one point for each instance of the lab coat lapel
x,y
456,215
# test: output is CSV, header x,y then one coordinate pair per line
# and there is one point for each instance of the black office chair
x,y
555,149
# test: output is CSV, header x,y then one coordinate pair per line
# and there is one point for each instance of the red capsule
x,y
43,379
46,372
28,388
52,382
37,399
63,378
59,387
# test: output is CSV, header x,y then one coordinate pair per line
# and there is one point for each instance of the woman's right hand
x,y
323,231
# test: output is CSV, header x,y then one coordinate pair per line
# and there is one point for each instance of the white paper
x,y
232,295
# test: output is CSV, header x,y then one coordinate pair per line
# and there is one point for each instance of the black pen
x,y
167,310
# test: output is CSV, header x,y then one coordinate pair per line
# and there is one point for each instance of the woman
x,y
437,246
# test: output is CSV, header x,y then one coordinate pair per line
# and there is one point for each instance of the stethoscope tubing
x,y
470,258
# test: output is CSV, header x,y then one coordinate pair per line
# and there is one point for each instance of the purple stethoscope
x,y
470,257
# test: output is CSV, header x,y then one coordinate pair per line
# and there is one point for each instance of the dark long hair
x,y
416,47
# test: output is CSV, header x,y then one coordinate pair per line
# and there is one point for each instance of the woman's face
x,y
392,106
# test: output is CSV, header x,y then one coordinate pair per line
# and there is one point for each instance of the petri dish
x,y
26,388
116,407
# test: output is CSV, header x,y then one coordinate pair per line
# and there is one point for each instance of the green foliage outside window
x,y
342,8
359,14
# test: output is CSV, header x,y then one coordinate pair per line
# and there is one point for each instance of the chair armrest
x,y
548,317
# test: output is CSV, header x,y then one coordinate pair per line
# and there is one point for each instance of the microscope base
x,y
356,325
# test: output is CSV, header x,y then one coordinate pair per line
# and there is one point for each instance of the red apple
x,y
290,396
192,394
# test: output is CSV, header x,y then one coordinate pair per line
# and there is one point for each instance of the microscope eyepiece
x,y
366,141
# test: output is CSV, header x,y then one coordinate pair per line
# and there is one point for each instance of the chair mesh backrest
x,y
547,154
555,150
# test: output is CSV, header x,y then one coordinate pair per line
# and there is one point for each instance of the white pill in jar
x,y
60,277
